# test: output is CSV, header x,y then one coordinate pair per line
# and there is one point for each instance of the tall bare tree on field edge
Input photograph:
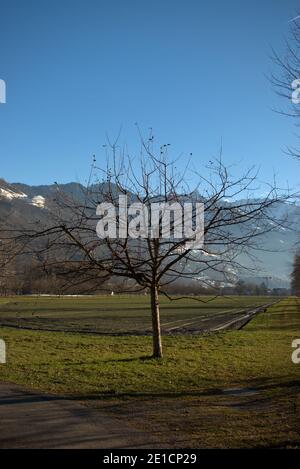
x,y
286,78
142,258
286,82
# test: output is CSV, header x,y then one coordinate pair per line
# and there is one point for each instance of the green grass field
x,y
231,389
112,314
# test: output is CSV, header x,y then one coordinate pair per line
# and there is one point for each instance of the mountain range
x,y
23,203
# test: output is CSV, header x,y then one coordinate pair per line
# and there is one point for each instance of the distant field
x,y
117,314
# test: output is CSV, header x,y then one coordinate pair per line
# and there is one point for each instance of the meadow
x,y
228,389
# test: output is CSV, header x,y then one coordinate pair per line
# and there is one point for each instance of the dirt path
x,y
35,420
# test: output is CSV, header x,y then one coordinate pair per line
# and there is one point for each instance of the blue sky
x,y
193,70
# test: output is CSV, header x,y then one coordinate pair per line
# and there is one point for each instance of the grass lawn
x,y
231,389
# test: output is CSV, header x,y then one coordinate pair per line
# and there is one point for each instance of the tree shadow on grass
x,y
236,389
240,389
143,358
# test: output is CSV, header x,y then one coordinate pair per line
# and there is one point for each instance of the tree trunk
x,y
156,332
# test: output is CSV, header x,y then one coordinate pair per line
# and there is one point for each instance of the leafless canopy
x,y
286,72
234,220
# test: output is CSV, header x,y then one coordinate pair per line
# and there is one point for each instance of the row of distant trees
x,y
32,278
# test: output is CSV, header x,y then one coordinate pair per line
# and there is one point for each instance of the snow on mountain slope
x,y
38,201
9,194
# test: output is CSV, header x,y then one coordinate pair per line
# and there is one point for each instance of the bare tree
x,y
142,258
286,78
286,81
